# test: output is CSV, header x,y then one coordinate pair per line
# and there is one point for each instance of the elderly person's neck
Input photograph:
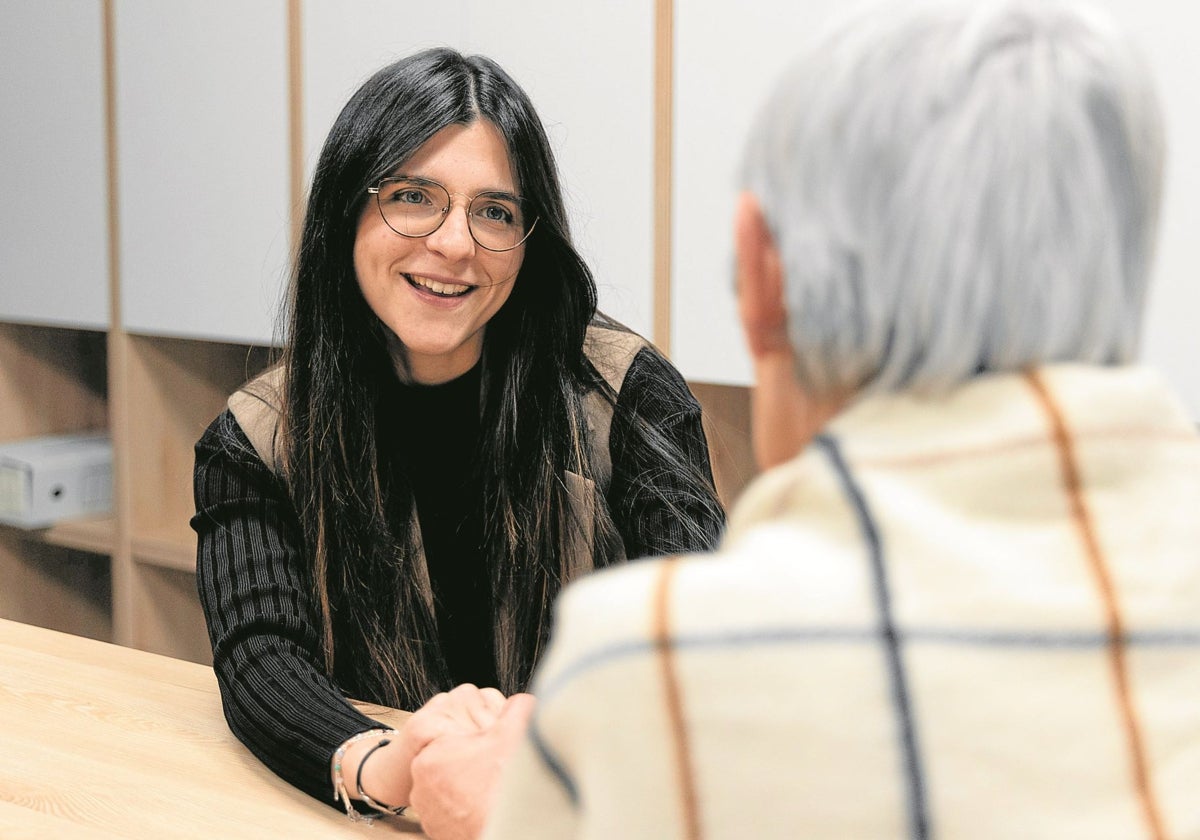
x,y
785,418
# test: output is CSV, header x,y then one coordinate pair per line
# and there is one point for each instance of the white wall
x,y
724,63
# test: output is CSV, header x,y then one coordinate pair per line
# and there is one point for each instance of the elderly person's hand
x,y
455,777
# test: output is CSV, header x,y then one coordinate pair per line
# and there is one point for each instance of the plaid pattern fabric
x,y
975,616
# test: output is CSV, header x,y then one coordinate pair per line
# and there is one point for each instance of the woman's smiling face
x,y
437,293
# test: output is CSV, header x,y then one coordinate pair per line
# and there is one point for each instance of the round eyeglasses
x,y
416,207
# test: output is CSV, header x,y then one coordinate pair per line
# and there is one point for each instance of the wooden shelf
x,y
97,534
73,575
165,551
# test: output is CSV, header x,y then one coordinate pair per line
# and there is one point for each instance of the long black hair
x,y
372,595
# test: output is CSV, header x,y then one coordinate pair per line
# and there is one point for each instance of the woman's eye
x,y
409,196
496,213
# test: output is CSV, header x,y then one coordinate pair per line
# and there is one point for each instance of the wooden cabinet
x,y
129,576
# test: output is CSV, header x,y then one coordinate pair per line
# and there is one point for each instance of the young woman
x,y
452,434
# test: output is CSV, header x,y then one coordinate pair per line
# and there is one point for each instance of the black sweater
x,y
250,562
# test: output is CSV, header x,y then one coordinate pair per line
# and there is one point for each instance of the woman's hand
x,y
455,776
386,777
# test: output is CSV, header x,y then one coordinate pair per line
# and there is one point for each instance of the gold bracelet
x,y
339,783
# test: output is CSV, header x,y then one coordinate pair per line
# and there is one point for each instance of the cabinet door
x,y
1164,32
345,41
202,126
54,216
725,62
588,69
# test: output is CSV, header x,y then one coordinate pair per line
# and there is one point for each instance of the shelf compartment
x,y
53,380
170,620
166,551
176,387
56,587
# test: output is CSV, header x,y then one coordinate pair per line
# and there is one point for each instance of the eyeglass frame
x,y
445,211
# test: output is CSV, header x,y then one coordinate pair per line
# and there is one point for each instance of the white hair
x,y
957,189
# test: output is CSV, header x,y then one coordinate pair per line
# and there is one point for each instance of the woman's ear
x,y
759,281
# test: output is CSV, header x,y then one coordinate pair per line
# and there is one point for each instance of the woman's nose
x,y
453,238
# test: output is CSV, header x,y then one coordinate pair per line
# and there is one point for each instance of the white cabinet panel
x,y
588,69
202,125
725,60
345,41
1165,31
54,216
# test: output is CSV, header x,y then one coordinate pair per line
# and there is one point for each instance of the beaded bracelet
x,y
339,783
393,810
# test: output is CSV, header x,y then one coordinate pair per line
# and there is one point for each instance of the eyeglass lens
x,y
415,207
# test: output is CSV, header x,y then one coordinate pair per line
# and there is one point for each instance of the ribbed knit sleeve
x,y
661,496
261,621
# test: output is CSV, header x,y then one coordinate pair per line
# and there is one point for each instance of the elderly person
x,y
970,606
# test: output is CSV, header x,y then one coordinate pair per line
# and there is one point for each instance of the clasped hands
x,y
446,759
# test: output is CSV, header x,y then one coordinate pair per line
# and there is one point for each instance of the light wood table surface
x,y
101,741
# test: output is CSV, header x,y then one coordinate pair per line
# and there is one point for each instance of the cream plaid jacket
x,y
976,616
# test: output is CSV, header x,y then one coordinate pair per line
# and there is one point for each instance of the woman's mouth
x,y
448,290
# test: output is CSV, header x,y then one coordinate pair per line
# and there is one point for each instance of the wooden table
x,y
102,741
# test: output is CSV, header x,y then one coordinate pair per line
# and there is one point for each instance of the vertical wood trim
x,y
118,368
663,117
295,35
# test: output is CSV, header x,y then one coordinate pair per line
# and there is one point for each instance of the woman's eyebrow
x,y
501,192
